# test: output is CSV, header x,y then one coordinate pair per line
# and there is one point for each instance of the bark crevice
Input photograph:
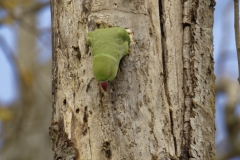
x,y
165,72
90,145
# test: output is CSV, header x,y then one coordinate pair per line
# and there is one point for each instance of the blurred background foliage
x,y
25,83
26,117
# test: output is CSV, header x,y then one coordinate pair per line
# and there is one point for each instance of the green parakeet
x,y
108,46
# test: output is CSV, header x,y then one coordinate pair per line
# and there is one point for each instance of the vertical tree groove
x,y
161,104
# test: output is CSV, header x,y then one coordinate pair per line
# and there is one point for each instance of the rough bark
x,y
160,106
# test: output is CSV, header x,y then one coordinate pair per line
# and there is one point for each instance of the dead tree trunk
x,y
160,106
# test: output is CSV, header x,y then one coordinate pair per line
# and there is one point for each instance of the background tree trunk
x,y
160,106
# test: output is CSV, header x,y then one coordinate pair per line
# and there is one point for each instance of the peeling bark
x,y
160,106
62,146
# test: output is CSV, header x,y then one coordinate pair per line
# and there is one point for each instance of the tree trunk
x,y
160,106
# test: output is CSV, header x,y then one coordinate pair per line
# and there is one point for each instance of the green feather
x,y
108,46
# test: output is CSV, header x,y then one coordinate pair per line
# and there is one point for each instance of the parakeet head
x,y
105,69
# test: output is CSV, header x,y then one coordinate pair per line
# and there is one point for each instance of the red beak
x,y
104,85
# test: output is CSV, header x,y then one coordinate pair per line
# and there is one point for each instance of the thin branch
x,y
237,36
9,54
